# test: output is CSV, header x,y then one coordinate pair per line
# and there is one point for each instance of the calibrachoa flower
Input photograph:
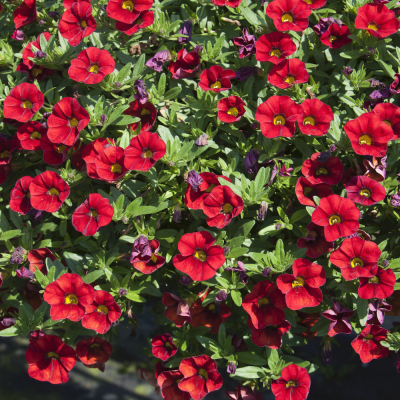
x,y
175,307
37,72
146,112
37,259
53,153
315,242
336,36
127,10
20,197
110,164
288,72
368,343
91,151
390,114
317,117
144,255
231,109
274,47
25,13
294,383
216,79
376,312
29,135
68,3
305,191
365,191
246,44
379,286
6,149
93,350
316,171
270,336
228,3
186,65
168,382
163,346
145,19
339,317
243,393
28,51
289,15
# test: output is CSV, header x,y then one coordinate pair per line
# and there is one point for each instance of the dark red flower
x,y
146,112
50,359
127,11
174,309
53,153
390,114
37,72
199,257
163,346
274,47
315,4
48,191
93,350
37,259
278,115
168,383
28,51
339,216
221,205
336,36
317,117
294,383
6,149
200,376
315,242
305,191
186,65
32,295
29,135
91,151
145,19
302,287
231,109
270,336
379,286
243,393
316,171
110,164
365,191
101,313
289,15
228,3
23,102
20,197
25,13
216,79
68,3
149,264
339,317
288,72
368,343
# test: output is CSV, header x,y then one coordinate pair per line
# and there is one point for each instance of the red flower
x,y
368,343
278,115
265,305
228,3
68,118
186,65
216,79
243,393
149,264
145,18
127,10
365,191
163,346
6,149
48,191
91,66
317,117
339,317
168,383
50,359
92,214
379,286
20,197
28,52
377,19
68,3
146,112
369,135
356,258
68,297
329,172
289,15
199,257
231,109
221,205
174,306
200,376
110,164
101,313
390,114
25,13
294,383
274,47
93,350
315,241
302,287
37,259
29,135
91,151
53,153
305,191
77,23
336,36
339,216
37,72
143,151
270,336
23,102
288,72
315,4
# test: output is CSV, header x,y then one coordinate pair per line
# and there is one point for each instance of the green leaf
x,y
362,310
387,68
251,358
10,234
249,373
93,276
139,66
135,297
236,297
11,331
209,344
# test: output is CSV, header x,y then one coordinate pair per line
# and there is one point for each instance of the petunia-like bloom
x,y
228,3
95,212
338,216
91,151
93,350
336,36
199,257
315,242
110,164
288,72
315,4
163,346
339,317
37,72
368,343
53,153
216,79
274,47
25,13
145,19
221,205
390,114
289,15
186,65
278,116
377,19
50,359
243,393
37,259
147,260
317,117
168,382
146,112
143,151
28,51
376,312
23,102
77,23
177,310
101,313
68,3
305,191
127,11
294,383
91,66
369,135
365,191
20,197
329,172
246,44
29,135
269,336
200,376
231,109
265,305
379,286
6,149
68,297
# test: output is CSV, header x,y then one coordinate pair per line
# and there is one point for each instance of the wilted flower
x,y
198,49
327,352
231,367
8,322
53,14
40,54
18,256
18,35
221,296
123,292
266,272
25,273
332,148
376,312
141,247
251,161
103,118
383,93
226,250
395,200
158,60
194,180
347,70
141,95
339,317
324,156
244,72
177,214
283,171
246,44
262,211
186,280
324,24
186,30
278,226
202,140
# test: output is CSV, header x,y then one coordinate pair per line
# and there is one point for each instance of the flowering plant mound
x,y
230,165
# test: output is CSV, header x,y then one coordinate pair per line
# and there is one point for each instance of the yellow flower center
x,y
315,234
356,262
35,135
177,381
279,120
95,345
60,149
309,120
202,372
372,26
36,72
102,309
93,213
287,18
154,258
51,354
27,104
366,193
83,24
292,383
387,122
73,122
290,79
332,38
128,5
275,52
299,281
334,219
227,208
94,68
53,192
308,1
211,187
211,307
28,195
365,139
321,171
5,154
201,255
168,345
374,279
71,299
145,111
263,301
307,190
216,85
139,21
116,168
148,154
369,336
233,111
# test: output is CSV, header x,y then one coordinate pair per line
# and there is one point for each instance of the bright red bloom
x,y
53,153
305,191
163,346
294,383
302,287
95,212
369,135
127,11
145,19
28,51
390,114
278,115
174,306
315,4
91,66
274,47
23,102
186,65
149,264
228,3
379,286
25,13
289,15
68,3
91,151
50,359
168,383
200,376
317,117
368,343
37,259
93,350
48,191
339,317
199,257
288,72
231,109
77,23
243,393
270,336
20,197
365,191
329,172
339,216
110,164
377,19
336,36
37,72
68,297
216,79
29,135
221,205
101,313
315,242
6,149
146,112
